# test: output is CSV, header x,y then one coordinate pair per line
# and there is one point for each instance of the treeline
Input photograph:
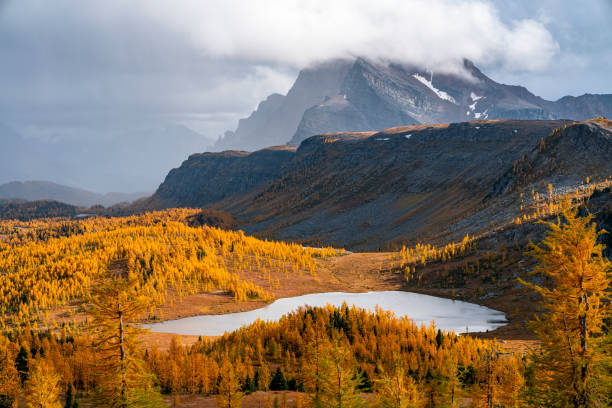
x,y
29,210
307,351
338,357
324,352
48,263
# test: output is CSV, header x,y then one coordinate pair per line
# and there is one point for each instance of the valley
x,y
380,190
167,263
305,204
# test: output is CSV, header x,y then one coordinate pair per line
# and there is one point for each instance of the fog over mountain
x,y
111,96
364,95
104,159
44,190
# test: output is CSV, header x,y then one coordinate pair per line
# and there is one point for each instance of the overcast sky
x,y
76,68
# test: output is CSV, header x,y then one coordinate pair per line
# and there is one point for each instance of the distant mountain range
x,y
45,190
131,159
361,95
364,190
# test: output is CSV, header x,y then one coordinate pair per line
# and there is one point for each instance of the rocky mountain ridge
x,y
211,177
363,95
46,190
363,190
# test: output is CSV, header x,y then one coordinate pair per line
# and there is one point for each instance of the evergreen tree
x,y
69,397
249,385
256,380
439,338
366,383
21,363
278,383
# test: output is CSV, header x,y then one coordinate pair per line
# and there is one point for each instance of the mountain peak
x,y
360,94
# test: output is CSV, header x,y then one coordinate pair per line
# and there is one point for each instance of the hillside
x,y
45,190
30,210
211,177
363,95
407,184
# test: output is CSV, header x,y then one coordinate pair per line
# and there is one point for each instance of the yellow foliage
x,y
43,387
48,263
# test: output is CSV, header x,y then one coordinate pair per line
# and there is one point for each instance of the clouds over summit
x,y
429,33
424,32
95,65
191,58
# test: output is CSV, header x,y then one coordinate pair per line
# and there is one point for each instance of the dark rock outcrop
x,y
567,156
366,190
211,177
277,118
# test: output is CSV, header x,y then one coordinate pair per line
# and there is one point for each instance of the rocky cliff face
x,y
362,95
211,177
277,118
565,157
364,190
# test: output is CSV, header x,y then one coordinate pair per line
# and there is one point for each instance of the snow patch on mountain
x,y
477,115
481,115
441,94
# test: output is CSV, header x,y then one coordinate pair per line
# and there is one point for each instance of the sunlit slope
x,y
47,263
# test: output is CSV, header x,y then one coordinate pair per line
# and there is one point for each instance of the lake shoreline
x,y
449,315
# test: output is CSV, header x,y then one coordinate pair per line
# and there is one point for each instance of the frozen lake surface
x,y
448,314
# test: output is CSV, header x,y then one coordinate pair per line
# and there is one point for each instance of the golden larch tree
x,y
338,378
575,303
9,376
42,387
396,390
229,395
123,380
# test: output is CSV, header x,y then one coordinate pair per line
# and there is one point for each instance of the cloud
x,y
84,70
424,32
295,32
196,56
